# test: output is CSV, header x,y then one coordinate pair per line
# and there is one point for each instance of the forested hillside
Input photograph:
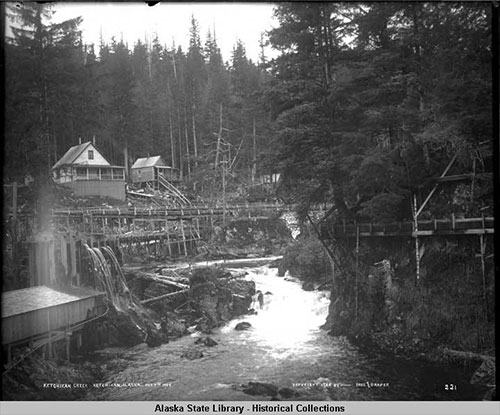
x,y
372,101
201,111
364,105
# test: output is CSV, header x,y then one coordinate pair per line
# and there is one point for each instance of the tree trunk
x,y
219,138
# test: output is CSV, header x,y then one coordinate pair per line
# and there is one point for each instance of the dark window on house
x,y
106,174
118,174
91,154
81,173
93,174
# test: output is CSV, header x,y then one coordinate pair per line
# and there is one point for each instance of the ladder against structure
x,y
171,189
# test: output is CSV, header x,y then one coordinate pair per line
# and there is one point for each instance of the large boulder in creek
x,y
206,341
218,297
171,326
244,325
242,292
204,292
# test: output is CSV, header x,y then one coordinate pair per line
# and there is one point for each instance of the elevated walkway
x,y
463,226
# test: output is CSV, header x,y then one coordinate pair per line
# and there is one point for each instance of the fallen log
x,y
163,297
162,280
465,356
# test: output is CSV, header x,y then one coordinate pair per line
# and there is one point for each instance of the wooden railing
x,y
452,226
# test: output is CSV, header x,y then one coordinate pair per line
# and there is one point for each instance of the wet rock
x,y
154,339
122,329
258,388
172,327
338,320
281,271
252,312
218,296
192,354
485,374
204,325
244,325
308,286
204,298
288,393
207,341
242,292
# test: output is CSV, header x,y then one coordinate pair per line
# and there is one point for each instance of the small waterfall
x,y
292,223
109,276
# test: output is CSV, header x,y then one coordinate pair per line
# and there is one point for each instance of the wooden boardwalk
x,y
167,213
453,226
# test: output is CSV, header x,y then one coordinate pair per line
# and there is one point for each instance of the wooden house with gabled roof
x,y
85,170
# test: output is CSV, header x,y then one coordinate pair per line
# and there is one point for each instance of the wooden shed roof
x,y
149,162
35,298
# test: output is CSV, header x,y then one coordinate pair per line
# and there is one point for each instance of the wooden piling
x,y
184,238
417,250
356,275
168,239
482,244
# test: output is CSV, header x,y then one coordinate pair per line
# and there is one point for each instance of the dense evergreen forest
x,y
363,106
202,114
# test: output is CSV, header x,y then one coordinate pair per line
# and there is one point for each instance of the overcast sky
x,y
171,22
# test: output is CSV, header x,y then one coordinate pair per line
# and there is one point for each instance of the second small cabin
x,y
149,169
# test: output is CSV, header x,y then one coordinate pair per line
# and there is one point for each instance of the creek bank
x,y
377,303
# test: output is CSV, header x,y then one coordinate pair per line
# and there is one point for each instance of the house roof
x,y
72,154
149,162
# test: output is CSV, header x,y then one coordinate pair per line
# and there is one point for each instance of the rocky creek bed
x,y
213,297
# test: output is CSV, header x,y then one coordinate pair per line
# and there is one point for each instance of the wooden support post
x,y
356,275
184,238
68,346
49,331
168,239
482,244
417,251
417,212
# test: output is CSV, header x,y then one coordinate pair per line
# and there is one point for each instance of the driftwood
x,y
160,279
163,297
465,356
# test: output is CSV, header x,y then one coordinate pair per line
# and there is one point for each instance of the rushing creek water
x,y
285,347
